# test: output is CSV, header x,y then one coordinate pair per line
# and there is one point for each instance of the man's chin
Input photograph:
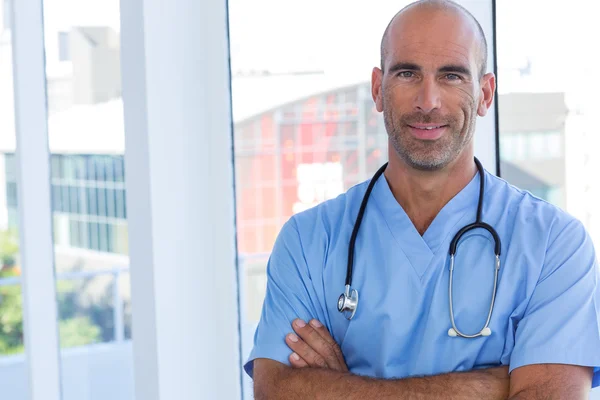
x,y
426,162
427,166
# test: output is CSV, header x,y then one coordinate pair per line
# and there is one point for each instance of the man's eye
x,y
453,77
405,74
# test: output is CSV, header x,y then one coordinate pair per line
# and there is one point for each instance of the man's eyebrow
x,y
404,66
455,69
451,68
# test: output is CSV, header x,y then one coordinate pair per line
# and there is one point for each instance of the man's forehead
x,y
437,39
430,52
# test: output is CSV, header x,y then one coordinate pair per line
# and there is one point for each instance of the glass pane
x,y
85,116
305,126
13,367
553,114
548,135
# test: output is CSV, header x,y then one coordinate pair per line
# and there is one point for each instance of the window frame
x,y
178,43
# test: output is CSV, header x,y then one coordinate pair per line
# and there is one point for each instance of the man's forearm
x,y
317,383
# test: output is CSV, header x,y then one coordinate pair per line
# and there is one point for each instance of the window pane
x,y
85,116
119,169
109,165
555,113
80,171
101,196
65,197
75,234
55,167
92,200
103,235
76,204
92,229
13,365
90,169
305,126
555,146
120,202
57,198
121,241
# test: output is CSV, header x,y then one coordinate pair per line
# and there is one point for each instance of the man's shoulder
x,y
329,215
309,234
531,212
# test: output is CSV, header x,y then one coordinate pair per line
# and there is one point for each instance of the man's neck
x,y
422,194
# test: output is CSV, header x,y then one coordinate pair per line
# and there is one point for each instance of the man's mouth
x,y
427,131
426,127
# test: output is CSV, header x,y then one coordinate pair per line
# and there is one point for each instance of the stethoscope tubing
x,y
348,301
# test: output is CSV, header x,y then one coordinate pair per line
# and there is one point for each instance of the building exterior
x,y
532,143
289,159
88,201
299,139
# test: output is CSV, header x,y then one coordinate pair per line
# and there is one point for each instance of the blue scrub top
x,y
547,307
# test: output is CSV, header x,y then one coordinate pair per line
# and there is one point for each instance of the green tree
x,y
9,248
75,326
11,316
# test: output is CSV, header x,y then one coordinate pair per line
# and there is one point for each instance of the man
x,y
545,331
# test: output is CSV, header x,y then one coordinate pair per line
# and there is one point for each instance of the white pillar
x,y
179,167
35,214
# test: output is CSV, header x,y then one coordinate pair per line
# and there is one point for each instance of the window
x,y
88,184
560,163
548,130
5,16
328,134
13,375
87,195
64,53
531,146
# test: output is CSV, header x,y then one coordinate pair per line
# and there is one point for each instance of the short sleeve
x,y
562,322
289,295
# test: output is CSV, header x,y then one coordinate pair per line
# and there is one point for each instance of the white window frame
x,y
486,135
40,314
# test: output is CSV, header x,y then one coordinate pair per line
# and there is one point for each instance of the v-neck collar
x,y
462,208
420,250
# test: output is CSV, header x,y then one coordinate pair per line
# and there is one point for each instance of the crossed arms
x,y
318,371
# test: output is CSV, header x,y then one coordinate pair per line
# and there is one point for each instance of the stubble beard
x,y
428,155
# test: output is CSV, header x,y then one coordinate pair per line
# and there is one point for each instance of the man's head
x,y
433,64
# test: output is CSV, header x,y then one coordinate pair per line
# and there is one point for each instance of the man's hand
x,y
314,347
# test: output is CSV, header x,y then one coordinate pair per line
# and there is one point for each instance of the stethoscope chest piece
x,y
348,302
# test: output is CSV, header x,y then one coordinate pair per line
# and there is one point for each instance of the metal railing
x,y
118,313
250,265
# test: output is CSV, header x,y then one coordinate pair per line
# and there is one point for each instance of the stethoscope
x,y
348,301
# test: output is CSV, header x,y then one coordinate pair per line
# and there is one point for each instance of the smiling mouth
x,y
428,128
427,132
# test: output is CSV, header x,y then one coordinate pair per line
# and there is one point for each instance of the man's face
x,y
430,92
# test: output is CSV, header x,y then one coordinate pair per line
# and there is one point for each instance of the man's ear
x,y
488,89
376,79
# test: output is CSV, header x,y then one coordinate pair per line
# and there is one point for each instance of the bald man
x,y
534,263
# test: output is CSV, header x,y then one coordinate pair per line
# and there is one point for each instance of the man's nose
x,y
428,96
